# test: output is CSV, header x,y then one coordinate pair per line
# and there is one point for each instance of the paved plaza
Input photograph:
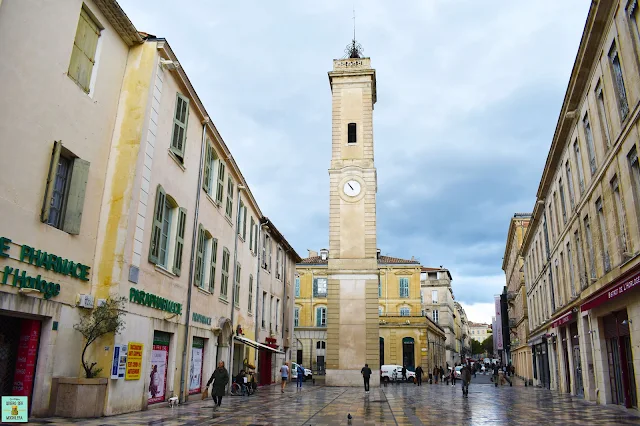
x,y
404,404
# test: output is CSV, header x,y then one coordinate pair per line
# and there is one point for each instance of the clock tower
x,y
352,296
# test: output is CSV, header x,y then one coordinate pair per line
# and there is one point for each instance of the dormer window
x,y
324,254
351,127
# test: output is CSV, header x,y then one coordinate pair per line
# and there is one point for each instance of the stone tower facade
x,y
353,277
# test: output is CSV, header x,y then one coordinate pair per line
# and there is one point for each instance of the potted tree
x,y
83,397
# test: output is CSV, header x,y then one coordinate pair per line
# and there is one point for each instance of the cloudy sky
x,y
469,93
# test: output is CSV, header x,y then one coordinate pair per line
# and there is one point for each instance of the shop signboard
x,y
15,409
134,361
195,372
119,361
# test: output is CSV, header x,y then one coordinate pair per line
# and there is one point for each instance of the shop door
x,y
159,367
195,372
408,352
264,367
577,371
626,347
381,351
320,364
299,356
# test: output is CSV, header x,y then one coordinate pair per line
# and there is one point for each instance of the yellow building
x,y
407,336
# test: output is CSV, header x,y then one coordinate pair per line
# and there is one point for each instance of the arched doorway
x,y
408,354
381,351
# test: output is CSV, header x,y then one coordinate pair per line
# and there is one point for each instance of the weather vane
x,y
353,49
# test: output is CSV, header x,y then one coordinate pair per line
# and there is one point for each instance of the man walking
x,y
284,375
419,376
404,373
220,378
465,375
366,375
299,376
496,369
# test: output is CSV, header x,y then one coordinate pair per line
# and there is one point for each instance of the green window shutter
x,y
177,259
84,51
156,230
51,179
199,258
75,197
220,188
206,184
315,287
214,258
180,119
244,223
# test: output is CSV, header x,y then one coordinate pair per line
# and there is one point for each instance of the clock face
x,y
352,188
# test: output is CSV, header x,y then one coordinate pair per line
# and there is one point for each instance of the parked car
x,y
388,370
458,371
308,375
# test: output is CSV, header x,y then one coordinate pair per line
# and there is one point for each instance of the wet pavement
x,y
403,404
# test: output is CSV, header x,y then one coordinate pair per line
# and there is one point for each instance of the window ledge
x,y
237,308
176,159
250,313
228,220
223,300
165,271
211,200
203,291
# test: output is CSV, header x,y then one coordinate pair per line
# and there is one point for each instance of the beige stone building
x,y
131,192
479,331
581,250
512,265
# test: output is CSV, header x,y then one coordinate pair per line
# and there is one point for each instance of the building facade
x,y
518,320
406,336
479,331
581,250
438,303
154,209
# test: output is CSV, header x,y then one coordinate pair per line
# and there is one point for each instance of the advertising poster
x,y
497,331
119,361
15,409
195,372
158,375
134,361
26,359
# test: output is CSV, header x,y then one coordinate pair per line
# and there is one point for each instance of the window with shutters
x,y
590,147
563,203
296,317
634,172
380,311
277,313
229,208
434,296
236,285
210,172
85,45
590,248
619,215
405,312
244,223
404,287
270,251
618,81
179,134
602,115
222,170
251,235
570,184
576,150
200,258
352,133
604,240
241,219
297,288
167,235
435,316
264,310
224,282
250,307
278,252
319,287
265,244
65,190
212,264
321,316
256,236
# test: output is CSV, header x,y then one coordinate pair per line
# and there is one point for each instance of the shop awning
x,y
621,286
563,319
256,345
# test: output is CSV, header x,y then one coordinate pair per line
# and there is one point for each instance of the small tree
x,y
487,344
476,347
102,320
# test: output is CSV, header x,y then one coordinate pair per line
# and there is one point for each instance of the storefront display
x,y
195,373
159,365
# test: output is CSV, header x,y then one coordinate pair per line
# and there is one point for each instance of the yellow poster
x,y
134,361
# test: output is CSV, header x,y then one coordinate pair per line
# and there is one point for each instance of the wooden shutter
x,y
251,234
212,270
75,196
180,120
156,230
220,189
84,51
177,259
315,287
51,179
244,223
206,184
199,258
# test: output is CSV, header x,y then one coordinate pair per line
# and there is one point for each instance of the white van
x,y
389,370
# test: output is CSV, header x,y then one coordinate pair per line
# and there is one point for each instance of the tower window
x,y
352,133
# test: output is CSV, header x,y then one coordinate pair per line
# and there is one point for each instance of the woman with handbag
x,y
220,378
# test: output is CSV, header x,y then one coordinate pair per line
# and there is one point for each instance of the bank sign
x,y
15,409
40,259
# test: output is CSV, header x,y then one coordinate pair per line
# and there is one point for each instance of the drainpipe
x,y
183,371
233,294
259,248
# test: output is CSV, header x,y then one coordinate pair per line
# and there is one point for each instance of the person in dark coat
x,y
366,375
465,375
220,378
419,373
404,373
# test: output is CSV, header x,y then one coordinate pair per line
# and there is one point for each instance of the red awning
x,y
562,320
621,286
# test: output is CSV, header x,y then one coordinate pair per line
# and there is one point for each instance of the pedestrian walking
x,y
419,376
442,375
299,376
284,375
465,376
453,375
219,378
404,373
366,375
494,378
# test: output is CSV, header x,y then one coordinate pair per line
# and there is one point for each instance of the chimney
x,y
413,258
324,254
312,253
378,254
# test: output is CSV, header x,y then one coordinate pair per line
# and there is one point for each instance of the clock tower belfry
x,y
353,276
